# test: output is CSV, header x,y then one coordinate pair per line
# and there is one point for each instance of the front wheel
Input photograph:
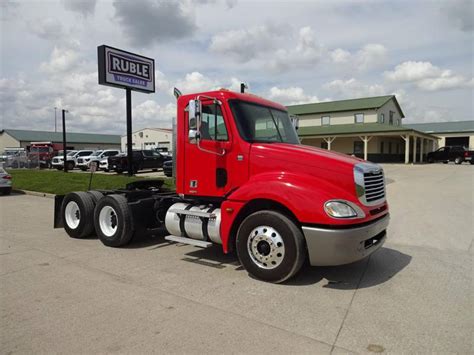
x,y
70,165
113,221
270,246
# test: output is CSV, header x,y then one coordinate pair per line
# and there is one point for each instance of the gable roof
x,y
45,136
443,127
363,103
355,129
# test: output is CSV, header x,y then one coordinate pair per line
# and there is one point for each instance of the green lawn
x,y
58,182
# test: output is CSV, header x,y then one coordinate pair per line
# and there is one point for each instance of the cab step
x,y
183,240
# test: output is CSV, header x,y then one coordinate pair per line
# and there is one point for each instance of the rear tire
x,y
70,165
458,160
270,246
96,195
113,221
77,213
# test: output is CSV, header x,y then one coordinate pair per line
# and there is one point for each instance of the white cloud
x,y
246,44
290,96
370,56
196,82
352,88
46,28
149,113
307,52
84,7
61,60
426,76
340,55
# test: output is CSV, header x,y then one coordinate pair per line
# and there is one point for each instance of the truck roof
x,y
224,94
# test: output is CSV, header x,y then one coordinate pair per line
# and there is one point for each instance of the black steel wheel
x,y
113,221
77,212
270,246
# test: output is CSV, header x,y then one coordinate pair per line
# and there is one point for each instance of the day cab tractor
x,y
244,181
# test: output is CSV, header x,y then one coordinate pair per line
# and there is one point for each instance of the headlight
x,y
342,209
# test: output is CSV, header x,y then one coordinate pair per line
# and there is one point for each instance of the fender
x,y
304,195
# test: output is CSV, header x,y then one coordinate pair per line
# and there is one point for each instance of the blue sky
x,y
287,51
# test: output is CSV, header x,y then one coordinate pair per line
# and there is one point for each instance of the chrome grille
x,y
369,183
374,184
80,160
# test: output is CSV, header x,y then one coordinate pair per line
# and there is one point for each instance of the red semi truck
x,y
244,181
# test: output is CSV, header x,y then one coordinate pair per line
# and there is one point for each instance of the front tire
x,y
270,246
113,221
77,212
458,160
70,165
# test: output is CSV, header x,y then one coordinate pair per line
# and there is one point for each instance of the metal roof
x,y
354,129
45,136
444,127
344,105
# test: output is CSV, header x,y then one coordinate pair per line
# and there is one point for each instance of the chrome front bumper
x,y
343,246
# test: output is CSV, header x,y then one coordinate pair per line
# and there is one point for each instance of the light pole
x,y
64,141
55,120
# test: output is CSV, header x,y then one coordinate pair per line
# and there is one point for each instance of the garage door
x,y
463,141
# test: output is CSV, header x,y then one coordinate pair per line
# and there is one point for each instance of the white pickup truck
x,y
85,162
71,159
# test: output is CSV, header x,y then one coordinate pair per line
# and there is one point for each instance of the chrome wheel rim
x,y
72,215
266,247
108,221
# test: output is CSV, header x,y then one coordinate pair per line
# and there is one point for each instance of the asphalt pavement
x,y
415,295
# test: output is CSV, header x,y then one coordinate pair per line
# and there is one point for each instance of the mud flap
x,y
58,202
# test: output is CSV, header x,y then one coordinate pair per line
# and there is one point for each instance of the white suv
x,y
84,163
58,160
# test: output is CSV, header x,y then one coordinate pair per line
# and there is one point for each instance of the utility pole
x,y
128,100
55,120
64,141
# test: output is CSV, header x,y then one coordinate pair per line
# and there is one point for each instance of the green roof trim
x,y
444,127
354,129
57,137
364,103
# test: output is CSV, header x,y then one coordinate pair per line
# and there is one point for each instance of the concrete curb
x,y
33,193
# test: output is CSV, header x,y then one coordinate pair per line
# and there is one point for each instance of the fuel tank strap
x,y
182,220
205,222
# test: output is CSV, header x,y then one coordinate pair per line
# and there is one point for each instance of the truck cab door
x,y
207,160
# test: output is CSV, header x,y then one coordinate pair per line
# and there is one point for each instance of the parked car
x,y
168,168
142,160
5,182
71,159
455,153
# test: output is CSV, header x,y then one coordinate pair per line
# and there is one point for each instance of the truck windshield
x,y
263,124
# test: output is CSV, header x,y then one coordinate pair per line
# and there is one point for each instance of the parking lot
x,y
77,296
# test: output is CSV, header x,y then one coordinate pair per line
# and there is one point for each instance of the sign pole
x,y
64,141
129,131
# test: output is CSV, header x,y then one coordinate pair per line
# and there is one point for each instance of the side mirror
x,y
195,109
295,121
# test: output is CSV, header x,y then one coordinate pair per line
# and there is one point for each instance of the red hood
x,y
307,156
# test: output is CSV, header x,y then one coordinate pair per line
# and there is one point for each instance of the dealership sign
x,y
126,70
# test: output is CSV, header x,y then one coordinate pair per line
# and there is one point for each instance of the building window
x,y
381,147
390,120
382,118
324,145
359,118
358,147
325,120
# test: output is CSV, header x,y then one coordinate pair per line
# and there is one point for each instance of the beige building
x,y
18,138
149,138
449,133
371,128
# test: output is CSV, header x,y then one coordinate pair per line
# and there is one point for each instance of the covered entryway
x,y
373,142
